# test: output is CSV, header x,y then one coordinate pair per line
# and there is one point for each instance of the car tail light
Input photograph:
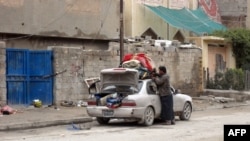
x,y
91,102
128,103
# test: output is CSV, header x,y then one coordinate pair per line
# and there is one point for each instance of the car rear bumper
x,y
121,112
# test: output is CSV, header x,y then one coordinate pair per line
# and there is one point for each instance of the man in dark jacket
x,y
163,85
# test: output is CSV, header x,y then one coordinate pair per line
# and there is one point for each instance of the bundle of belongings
x,y
139,61
111,100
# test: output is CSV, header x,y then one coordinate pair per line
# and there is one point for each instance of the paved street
x,y
206,125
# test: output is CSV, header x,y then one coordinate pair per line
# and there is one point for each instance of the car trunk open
x,y
119,76
115,85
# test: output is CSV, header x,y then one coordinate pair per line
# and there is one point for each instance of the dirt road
x,y
205,124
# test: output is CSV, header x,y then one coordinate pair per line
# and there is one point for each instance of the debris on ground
x,y
7,110
82,126
213,102
66,103
79,103
37,103
224,99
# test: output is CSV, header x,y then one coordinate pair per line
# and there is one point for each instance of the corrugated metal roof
x,y
196,21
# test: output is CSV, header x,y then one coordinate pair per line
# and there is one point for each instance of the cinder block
x,y
2,44
161,49
87,52
3,94
2,70
2,51
106,53
139,49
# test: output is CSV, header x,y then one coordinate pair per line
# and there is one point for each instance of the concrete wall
x,y
233,12
41,43
3,95
183,65
89,19
80,65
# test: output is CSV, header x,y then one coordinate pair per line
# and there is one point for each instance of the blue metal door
x,y
25,73
16,76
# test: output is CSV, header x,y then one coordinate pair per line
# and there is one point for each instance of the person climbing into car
x,y
166,97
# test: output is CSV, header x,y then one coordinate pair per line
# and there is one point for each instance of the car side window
x,y
151,88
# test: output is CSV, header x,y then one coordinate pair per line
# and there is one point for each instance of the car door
x,y
177,100
154,97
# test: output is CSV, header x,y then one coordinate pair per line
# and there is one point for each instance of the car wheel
x,y
148,117
186,113
102,120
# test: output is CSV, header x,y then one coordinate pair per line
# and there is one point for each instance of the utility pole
x,y
121,32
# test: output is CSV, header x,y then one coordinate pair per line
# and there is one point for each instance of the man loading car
x,y
166,97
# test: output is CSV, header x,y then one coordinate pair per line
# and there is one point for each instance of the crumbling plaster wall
x,y
183,65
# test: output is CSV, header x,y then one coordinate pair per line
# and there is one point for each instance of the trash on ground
x,y
66,103
81,103
37,103
7,110
80,126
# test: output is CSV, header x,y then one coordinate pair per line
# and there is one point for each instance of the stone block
x,y
2,44
87,52
2,51
105,53
139,49
74,51
2,58
58,85
3,94
161,49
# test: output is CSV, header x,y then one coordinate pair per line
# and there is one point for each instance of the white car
x,y
121,95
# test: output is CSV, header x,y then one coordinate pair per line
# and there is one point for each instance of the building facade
x,y
38,24
140,21
234,13
81,35
217,55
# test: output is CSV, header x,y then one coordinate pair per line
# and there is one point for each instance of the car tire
x,y
102,120
148,117
186,112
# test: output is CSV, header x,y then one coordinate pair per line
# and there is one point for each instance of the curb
x,y
222,106
32,125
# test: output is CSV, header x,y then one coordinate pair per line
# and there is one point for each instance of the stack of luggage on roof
x,y
140,62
